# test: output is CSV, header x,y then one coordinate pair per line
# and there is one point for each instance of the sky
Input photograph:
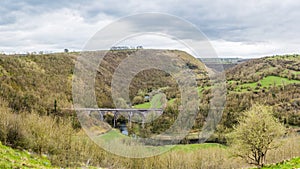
x,y
235,28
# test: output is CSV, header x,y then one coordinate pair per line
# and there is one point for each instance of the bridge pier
x,y
115,120
89,113
101,116
129,118
116,114
143,122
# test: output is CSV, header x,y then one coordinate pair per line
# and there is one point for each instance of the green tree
x,y
137,100
255,134
121,103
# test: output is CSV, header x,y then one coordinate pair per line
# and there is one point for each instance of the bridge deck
x,y
118,110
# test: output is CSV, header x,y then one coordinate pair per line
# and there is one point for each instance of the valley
x,y
36,97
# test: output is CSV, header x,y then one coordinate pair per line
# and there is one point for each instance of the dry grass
x,y
51,136
289,148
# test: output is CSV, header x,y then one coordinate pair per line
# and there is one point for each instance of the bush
x,y
53,136
137,100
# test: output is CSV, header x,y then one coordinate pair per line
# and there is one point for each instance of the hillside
x,y
34,85
255,69
273,80
35,82
43,83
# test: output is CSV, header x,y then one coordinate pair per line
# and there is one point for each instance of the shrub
x,y
137,100
255,135
53,136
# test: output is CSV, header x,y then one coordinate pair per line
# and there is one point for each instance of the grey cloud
x,y
248,22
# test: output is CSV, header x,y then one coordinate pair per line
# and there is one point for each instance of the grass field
x,y
112,134
154,103
265,82
145,105
193,147
10,158
115,134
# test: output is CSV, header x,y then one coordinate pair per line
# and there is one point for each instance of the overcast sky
x,y
235,28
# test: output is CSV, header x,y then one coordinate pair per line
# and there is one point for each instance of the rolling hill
x,y
42,84
273,81
37,82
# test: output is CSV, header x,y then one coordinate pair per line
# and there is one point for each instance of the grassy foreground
x,y
10,158
293,163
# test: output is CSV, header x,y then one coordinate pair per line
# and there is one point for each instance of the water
x,y
123,129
